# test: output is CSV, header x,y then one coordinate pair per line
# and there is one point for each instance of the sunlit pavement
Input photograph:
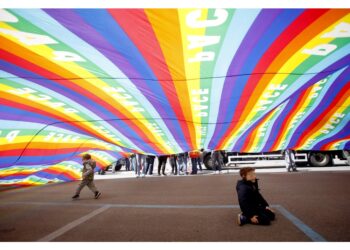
x,y
310,206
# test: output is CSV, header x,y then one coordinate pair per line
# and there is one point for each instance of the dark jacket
x,y
249,197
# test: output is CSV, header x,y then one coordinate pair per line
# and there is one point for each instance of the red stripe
x,y
38,152
20,106
329,144
295,28
292,112
251,136
325,115
56,172
71,85
140,30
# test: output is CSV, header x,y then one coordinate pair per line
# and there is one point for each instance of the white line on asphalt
x,y
72,225
309,232
77,203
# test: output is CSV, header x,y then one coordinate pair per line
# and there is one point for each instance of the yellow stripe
x,y
192,69
304,106
81,72
343,107
293,62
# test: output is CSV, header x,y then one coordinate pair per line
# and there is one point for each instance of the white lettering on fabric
x,y
192,19
11,136
340,31
202,41
125,99
200,98
155,128
28,38
66,56
334,120
7,17
195,41
28,93
273,91
102,130
318,86
56,137
320,50
202,57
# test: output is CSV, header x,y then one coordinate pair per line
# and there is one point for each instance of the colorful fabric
x,y
165,81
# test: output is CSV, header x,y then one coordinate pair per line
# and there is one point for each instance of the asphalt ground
x,y
310,206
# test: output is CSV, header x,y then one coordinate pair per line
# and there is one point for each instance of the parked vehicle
x,y
276,159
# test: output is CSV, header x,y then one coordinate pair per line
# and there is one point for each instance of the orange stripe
x,y
251,137
329,145
295,45
290,117
55,113
345,95
49,65
166,25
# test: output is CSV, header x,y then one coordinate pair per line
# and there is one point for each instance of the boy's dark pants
x,y
265,216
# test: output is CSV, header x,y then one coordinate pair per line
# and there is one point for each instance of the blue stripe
x,y
121,42
343,133
72,95
340,82
237,84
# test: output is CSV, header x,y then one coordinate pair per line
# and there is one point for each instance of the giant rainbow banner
x,y
164,81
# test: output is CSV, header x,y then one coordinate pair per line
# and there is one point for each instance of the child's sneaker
x,y
97,194
241,219
75,197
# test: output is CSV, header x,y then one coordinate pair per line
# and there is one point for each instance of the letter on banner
x,y
12,135
7,17
193,22
320,50
202,41
66,56
341,30
202,56
28,38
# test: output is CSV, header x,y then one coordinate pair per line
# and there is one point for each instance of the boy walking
x,y
255,209
87,177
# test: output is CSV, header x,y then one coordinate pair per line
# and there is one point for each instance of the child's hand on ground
x,y
254,219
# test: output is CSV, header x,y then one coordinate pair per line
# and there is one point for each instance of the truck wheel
x,y
118,167
208,163
319,159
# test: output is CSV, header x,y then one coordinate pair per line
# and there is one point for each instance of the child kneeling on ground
x,y
255,209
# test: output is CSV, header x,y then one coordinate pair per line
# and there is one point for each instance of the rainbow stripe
x,y
164,81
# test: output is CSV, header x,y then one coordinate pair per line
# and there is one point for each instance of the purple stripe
x,y
341,134
121,60
254,35
234,86
327,99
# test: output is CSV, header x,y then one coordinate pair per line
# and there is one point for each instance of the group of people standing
x,y
144,164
